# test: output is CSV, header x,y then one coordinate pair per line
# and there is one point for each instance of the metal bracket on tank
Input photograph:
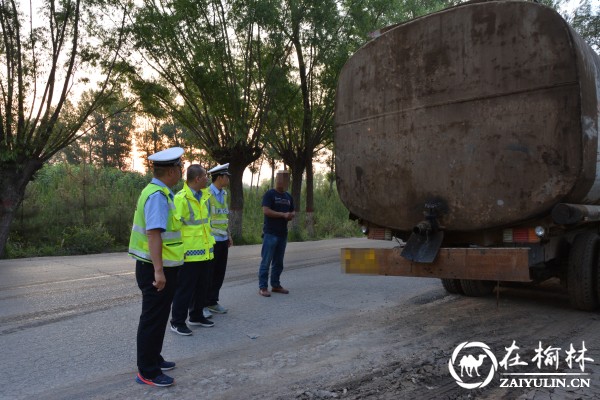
x,y
426,239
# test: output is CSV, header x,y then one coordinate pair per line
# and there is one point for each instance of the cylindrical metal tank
x,y
491,107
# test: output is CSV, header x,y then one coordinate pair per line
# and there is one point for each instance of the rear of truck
x,y
471,135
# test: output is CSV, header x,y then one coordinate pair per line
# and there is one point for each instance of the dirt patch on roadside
x,y
410,349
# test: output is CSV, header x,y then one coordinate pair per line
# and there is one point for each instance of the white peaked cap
x,y
220,170
170,156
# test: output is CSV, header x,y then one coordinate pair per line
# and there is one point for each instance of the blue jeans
x,y
273,249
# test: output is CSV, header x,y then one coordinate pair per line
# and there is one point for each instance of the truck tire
x,y
452,286
474,288
581,271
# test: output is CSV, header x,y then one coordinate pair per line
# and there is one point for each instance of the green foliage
x,y
50,51
210,74
17,247
34,125
83,209
330,215
583,16
108,138
586,21
252,216
87,239
65,205
331,219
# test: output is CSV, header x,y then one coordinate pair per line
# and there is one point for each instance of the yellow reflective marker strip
x,y
359,261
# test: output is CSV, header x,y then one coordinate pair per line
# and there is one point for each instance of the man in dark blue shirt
x,y
278,208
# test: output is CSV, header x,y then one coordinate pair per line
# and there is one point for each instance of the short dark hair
x,y
160,171
194,171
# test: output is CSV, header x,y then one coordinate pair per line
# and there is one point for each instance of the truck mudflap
x,y
493,264
426,238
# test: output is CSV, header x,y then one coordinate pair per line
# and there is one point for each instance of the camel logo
x,y
470,364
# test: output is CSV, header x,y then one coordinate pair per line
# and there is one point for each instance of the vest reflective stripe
x,y
163,235
171,235
138,229
219,232
219,220
193,220
198,222
172,246
146,257
197,240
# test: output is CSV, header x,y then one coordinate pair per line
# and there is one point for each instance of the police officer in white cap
x,y
219,221
156,245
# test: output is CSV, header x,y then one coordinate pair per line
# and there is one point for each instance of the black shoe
x,y
181,330
202,322
167,365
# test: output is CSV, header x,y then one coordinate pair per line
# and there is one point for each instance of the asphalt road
x,y
68,327
68,324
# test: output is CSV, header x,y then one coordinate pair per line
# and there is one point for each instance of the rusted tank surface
x,y
491,107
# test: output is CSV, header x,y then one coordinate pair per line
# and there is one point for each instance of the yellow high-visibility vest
x,y
197,240
219,216
172,245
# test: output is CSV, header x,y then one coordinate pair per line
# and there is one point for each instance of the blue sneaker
x,y
162,380
167,365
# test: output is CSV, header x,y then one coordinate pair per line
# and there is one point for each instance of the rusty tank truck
x,y
471,134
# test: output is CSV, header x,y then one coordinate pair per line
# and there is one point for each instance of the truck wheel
x,y
581,272
474,288
452,286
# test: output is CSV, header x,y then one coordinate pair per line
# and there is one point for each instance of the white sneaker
x,y
217,308
207,313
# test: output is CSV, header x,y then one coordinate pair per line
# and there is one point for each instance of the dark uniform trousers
x,y
156,307
188,279
221,253
200,293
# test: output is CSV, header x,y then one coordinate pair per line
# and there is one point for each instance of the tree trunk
x,y
236,188
309,223
238,157
297,171
272,164
258,178
14,180
331,173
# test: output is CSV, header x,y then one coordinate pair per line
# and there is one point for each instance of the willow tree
x,y
48,57
314,35
321,36
210,63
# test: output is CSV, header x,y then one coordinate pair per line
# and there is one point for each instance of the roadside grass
x,y
71,210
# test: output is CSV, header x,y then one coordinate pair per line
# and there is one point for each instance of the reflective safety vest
x,y
172,245
219,216
197,240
